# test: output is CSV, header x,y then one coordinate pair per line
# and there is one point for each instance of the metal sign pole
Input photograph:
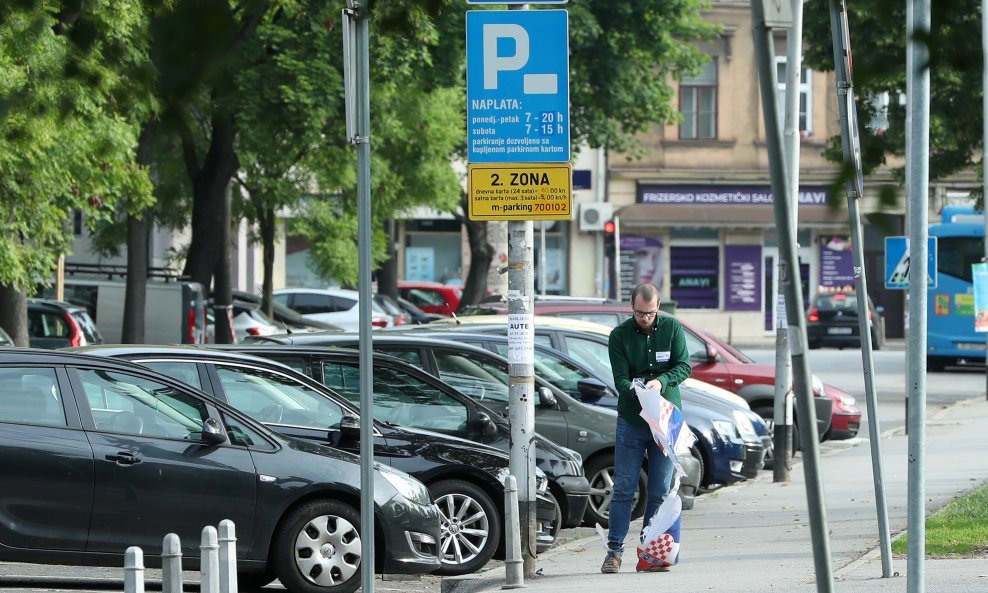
x,y
762,22
356,28
918,163
855,189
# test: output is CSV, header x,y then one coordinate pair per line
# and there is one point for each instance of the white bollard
x,y
210,561
228,556
171,564
514,566
134,570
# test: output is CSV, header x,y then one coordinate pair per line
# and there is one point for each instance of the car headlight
x,y
848,400
574,454
745,427
818,389
726,429
407,486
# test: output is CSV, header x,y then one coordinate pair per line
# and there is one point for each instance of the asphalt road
x,y
842,368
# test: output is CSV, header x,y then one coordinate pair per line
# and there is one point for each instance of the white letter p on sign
x,y
494,63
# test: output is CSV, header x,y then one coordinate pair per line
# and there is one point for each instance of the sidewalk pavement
x,y
755,536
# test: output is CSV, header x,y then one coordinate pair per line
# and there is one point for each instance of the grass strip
x,y
959,529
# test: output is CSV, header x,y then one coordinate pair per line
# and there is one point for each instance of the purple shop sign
x,y
743,267
836,262
724,194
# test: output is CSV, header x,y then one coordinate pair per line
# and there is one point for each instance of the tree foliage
x,y
878,40
71,98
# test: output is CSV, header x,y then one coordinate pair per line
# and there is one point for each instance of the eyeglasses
x,y
645,314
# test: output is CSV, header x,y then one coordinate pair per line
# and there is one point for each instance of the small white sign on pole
x,y
521,338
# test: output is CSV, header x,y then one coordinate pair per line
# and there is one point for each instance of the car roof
x,y
313,339
426,284
68,356
186,351
502,320
343,292
53,304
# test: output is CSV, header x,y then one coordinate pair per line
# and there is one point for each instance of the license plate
x,y
839,330
970,346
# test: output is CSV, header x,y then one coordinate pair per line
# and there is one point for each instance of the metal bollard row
x,y
218,562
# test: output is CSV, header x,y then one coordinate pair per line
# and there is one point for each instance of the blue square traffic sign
x,y
517,86
897,263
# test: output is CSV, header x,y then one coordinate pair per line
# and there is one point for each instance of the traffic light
x,y
609,239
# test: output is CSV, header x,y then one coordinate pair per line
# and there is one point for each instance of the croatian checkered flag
x,y
668,427
659,547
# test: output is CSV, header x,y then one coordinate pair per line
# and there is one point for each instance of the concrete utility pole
x,y
918,181
766,14
782,411
851,144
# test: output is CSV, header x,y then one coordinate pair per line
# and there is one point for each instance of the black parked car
x,y
57,324
832,320
417,396
97,455
483,375
465,478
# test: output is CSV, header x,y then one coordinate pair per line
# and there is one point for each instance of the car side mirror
x,y
591,388
212,432
547,398
712,353
350,426
485,425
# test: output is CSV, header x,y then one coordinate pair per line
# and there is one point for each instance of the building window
x,y
805,95
77,223
694,272
698,104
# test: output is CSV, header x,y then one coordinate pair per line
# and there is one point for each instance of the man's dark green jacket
x,y
659,354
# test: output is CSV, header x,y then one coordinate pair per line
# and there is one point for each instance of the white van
x,y
174,312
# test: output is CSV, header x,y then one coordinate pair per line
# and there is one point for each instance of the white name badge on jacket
x,y
663,356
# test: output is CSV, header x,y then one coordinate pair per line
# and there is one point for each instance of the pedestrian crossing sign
x,y
897,263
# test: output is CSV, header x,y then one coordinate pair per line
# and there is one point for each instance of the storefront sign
x,y
743,267
723,194
694,274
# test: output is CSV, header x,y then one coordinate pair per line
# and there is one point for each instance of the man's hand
x,y
654,384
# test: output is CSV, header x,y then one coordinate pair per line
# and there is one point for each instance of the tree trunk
x,y
266,222
481,254
13,314
135,293
210,207
387,275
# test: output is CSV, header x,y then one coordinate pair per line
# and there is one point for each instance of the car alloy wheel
x,y
471,526
600,472
317,548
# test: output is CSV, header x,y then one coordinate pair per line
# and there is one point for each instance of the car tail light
x,y
75,333
258,330
378,322
813,315
192,325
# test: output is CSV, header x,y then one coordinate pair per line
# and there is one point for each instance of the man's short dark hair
x,y
646,291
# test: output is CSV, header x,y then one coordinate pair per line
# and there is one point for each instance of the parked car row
x,y
440,407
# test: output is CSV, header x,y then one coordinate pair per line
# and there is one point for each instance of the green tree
x,y
69,107
877,31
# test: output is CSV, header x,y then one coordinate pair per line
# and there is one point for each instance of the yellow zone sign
x,y
520,191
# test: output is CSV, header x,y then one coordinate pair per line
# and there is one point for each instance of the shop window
x,y
695,275
698,104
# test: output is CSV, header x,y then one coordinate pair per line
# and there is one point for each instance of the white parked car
x,y
248,320
331,305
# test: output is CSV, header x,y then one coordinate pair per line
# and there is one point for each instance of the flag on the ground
x,y
659,545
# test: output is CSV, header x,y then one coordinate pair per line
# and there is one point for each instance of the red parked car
x,y
431,297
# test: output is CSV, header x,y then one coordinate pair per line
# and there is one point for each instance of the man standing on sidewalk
x,y
651,348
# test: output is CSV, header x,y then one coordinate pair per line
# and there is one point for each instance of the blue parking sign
x,y
518,86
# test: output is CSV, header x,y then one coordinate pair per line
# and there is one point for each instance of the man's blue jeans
x,y
630,446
